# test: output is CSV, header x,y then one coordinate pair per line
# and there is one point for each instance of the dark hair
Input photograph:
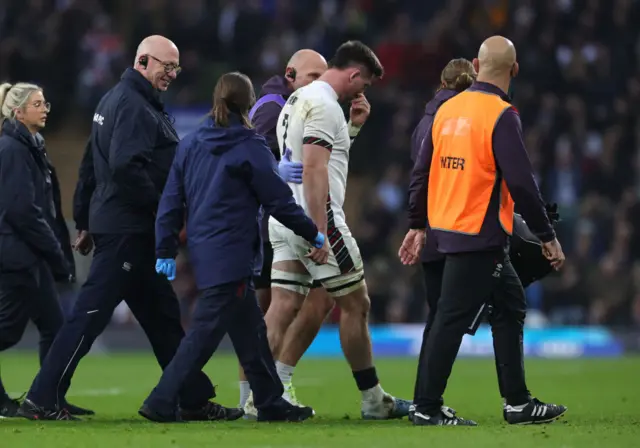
x,y
458,75
233,94
353,53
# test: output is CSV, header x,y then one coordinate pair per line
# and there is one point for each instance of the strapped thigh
x,y
344,284
297,282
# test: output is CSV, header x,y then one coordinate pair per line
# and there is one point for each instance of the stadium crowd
x,y
578,94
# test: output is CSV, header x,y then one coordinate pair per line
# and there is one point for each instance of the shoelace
x,y
63,414
292,394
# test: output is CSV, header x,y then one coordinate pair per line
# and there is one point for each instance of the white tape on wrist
x,y
353,130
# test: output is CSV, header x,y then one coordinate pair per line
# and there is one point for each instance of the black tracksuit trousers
x,y
122,269
467,282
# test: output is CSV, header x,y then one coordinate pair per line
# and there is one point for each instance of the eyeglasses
x,y
168,66
38,104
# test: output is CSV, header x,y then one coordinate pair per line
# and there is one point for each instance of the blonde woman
x,y
31,258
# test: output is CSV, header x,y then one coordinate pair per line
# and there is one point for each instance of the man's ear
x,y
515,70
355,74
476,65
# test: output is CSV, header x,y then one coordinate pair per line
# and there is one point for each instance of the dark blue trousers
x,y
29,294
230,308
123,268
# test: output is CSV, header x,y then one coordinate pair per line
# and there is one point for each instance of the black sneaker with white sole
x,y
534,412
446,417
32,411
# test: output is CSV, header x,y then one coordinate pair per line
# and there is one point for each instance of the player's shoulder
x,y
316,93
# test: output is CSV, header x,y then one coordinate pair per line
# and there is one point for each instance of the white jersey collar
x,y
328,88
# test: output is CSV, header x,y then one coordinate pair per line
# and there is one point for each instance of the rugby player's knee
x,y
355,303
285,305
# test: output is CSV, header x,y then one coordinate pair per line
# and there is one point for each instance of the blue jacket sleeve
x,y
420,183
84,189
130,150
171,210
275,195
17,198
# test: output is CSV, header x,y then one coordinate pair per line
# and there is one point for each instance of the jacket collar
x,y
490,88
440,97
134,79
19,131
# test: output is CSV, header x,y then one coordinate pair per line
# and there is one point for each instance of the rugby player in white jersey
x,y
312,125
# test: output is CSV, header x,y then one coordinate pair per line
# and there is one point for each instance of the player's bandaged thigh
x,y
291,281
297,282
344,284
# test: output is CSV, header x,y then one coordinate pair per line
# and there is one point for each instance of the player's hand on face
x,y
553,252
83,243
320,256
411,247
360,110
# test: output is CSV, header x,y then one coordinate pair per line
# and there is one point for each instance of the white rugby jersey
x,y
312,115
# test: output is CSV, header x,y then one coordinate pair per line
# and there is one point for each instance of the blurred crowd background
x,y
578,94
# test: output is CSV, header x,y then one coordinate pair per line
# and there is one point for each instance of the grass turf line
x,y
602,397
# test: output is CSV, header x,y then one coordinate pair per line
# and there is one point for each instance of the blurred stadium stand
x,y
578,94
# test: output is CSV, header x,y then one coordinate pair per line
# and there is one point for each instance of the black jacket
x,y
59,225
127,160
526,254
27,206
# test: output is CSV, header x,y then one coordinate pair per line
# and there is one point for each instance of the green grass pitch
x,y
602,396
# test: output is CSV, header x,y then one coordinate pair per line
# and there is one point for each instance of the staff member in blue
x,y
221,175
35,251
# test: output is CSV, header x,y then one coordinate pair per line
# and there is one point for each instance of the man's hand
x,y
320,253
83,243
360,110
553,252
412,245
290,171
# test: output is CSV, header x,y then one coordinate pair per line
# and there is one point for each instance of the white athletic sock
x,y
373,395
245,390
285,372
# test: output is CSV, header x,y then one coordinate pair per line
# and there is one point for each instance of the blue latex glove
x,y
319,241
290,171
167,267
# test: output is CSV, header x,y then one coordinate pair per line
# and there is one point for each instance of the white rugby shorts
x,y
345,261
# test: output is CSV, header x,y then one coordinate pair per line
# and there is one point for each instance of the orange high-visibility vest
x,y
463,172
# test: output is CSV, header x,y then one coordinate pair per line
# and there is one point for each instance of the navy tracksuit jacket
x,y
31,232
220,178
123,172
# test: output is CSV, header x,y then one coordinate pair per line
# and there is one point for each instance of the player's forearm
x,y
316,194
